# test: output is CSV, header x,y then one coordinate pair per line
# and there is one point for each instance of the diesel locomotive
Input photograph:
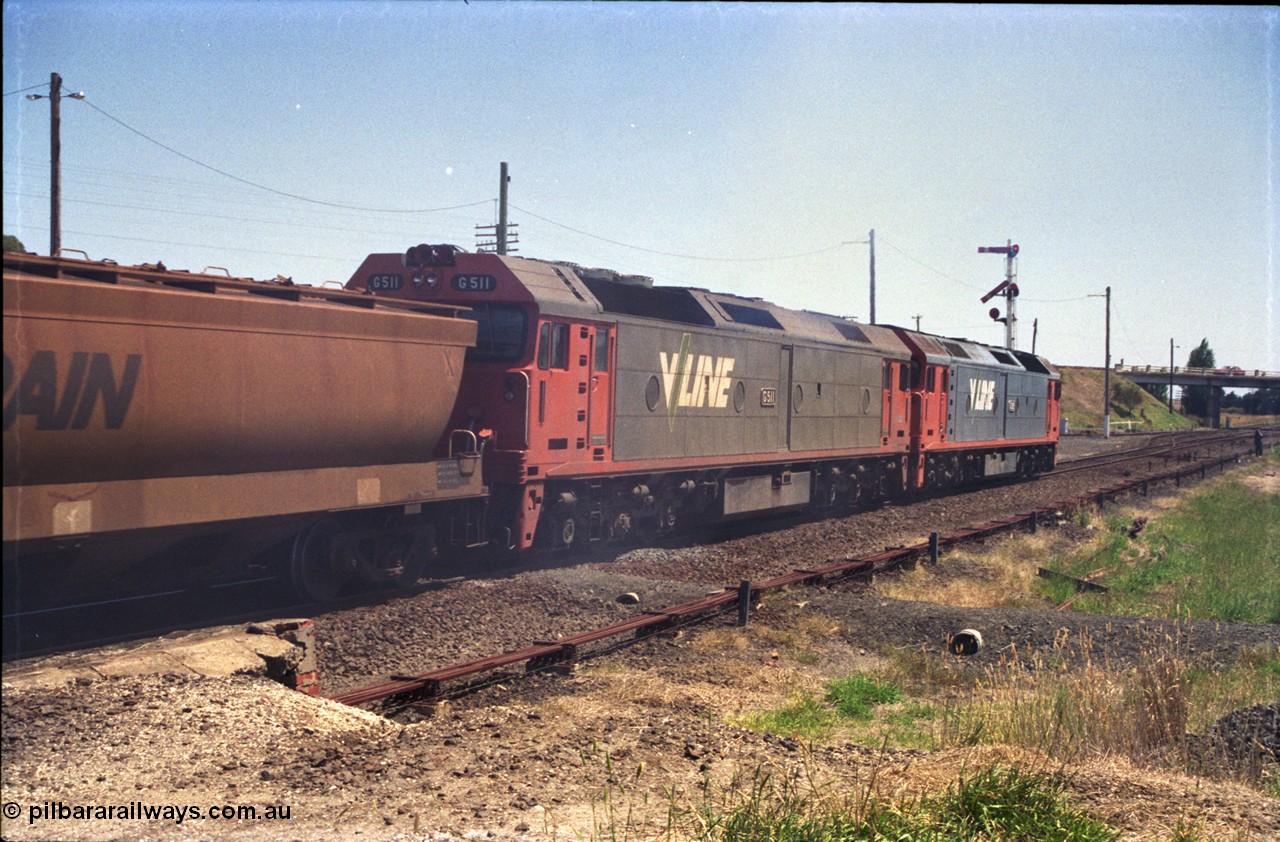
x,y
160,423
607,406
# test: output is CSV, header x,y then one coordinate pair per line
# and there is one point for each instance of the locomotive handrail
x,y
528,389
470,435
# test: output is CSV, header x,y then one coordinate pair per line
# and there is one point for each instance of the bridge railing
x,y
1201,372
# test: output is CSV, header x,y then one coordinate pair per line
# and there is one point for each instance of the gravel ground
x,y
609,750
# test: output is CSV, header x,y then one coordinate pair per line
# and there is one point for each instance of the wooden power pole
x,y
55,159
502,209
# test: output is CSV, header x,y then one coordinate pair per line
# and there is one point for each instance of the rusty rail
x,y
429,686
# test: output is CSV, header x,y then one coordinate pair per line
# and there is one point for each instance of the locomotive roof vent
x,y
1031,362
744,314
595,274
590,274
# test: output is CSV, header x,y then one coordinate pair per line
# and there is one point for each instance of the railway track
x,y
1166,446
562,654
84,625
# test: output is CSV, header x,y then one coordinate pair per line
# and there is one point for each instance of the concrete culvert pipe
x,y
965,642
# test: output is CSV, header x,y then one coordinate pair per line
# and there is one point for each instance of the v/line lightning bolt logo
x,y
690,380
982,395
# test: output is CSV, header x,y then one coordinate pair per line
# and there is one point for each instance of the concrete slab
x,y
222,651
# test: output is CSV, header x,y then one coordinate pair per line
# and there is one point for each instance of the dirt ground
x,y
630,745
609,751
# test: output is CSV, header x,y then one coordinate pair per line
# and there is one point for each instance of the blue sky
x,y
747,148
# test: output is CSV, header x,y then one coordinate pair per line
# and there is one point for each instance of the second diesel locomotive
x,y
608,406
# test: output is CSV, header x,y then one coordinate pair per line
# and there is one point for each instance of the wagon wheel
x,y
420,550
317,570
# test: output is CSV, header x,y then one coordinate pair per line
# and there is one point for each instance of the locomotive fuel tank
x,y
115,374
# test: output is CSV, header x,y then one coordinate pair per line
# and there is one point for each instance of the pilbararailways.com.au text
x,y
46,811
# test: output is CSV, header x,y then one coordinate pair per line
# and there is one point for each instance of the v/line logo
x,y
695,380
982,395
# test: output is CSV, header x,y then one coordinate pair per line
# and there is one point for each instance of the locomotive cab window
x,y
931,379
904,378
602,352
500,333
553,346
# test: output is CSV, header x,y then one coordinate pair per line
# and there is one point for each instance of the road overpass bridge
x,y
1222,378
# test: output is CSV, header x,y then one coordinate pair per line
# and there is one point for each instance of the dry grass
x,y
999,575
1113,734
1105,732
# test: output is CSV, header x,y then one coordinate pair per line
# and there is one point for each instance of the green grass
x,y
855,696
847,700
1216,556
990,804
806,717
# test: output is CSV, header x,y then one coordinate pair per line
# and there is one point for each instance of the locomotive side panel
x,y
687,392
1025,406
835,399
977,409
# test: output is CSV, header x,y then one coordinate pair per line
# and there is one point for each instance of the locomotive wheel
x,y
667,516
620,527
566,531
317,570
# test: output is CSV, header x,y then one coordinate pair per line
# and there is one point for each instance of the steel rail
x,y
429,686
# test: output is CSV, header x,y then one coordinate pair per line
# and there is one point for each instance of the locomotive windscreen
x,y
500,335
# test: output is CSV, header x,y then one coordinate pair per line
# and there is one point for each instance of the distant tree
x,y
1261,402
1126,395
1195,399
1159,391
12,243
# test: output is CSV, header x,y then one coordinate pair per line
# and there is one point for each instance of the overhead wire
x,y
717,259
202,214
366,209
918,262
268,189
24,90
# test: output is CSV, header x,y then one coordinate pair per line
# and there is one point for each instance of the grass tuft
x,y
856,695
993,803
